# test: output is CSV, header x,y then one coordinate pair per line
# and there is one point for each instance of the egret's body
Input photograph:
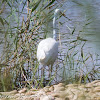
x,y
47,50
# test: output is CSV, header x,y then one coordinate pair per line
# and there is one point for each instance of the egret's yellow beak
x,y
64,15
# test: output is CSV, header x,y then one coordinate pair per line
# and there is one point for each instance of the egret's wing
x,y
42,50
47,51
53,54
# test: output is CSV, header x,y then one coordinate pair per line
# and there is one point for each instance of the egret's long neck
x,y
54,28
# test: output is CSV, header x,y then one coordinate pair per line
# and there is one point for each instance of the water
x,y
80,14
84,16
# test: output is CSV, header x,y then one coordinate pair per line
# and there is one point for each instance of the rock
x,y
96,81
61,84
72,85
81,96
33,89
41,92
47,97
51,88
30,92
13,92
46,89
19,94
36,98
66,98
96,89
28,98
47,86
98,98
22,90
89,91
61,94
69,85
93,84
89,85
25,98
59,99
58,88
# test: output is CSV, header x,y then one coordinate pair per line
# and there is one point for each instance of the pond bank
x,y
89,91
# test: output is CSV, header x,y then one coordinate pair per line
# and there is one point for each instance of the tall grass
x,y
23,28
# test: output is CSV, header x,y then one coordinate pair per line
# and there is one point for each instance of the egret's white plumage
x,y
47,50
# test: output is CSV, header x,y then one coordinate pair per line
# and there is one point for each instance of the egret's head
x,y
58,12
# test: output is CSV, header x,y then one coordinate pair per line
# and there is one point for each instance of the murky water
x,y
81,13
84,16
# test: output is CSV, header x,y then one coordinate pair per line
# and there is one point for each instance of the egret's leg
x,y
43,71
43,75
50,71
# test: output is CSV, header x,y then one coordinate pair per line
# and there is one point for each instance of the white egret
x,y
47,50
